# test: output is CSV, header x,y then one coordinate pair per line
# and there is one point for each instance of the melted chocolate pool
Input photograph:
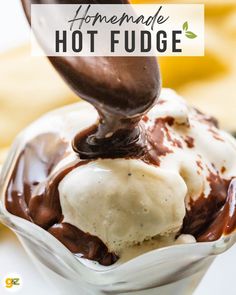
x,y
122,89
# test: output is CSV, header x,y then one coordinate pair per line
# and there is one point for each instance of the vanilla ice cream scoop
x,y
123,202
170,193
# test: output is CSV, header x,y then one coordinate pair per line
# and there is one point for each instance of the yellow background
x,y
29,86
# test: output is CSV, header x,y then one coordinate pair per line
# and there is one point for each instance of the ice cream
x,y
103,208
188,159
133,201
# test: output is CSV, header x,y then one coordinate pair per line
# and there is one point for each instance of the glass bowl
x,y
176,269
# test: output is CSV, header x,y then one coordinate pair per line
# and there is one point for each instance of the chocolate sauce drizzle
x,y
122,89
205,209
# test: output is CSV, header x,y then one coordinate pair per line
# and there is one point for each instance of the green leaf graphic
x,y
185,26
190,35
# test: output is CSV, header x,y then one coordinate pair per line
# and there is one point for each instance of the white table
x,y
13,259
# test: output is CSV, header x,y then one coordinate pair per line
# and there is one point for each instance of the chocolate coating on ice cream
x,y
34,196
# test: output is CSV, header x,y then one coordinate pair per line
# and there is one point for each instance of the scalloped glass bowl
x,y
171,270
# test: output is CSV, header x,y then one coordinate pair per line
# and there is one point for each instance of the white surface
x,y
14,29
13,259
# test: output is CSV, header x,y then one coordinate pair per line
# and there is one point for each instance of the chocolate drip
x,y
79,242
225,221
29,177
156,135
32,194
125,143
122,89
205,209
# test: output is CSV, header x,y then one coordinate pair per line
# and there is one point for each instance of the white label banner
x,y
118,30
